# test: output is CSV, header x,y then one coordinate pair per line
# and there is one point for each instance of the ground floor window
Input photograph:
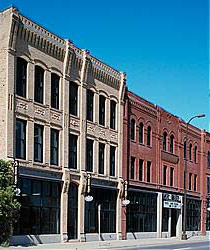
x,y
142,212
208,216
193,212
165,220
107,199
40,207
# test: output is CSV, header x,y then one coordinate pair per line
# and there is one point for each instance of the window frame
x,y
141,133
101,158
73,98
73,150
90,105
89,154
113,106
55,90
39,145
149,132
102,110
132,129
54,149
22,140
21,77
39,84
112,165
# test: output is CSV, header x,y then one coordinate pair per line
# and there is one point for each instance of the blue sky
x,y
162,45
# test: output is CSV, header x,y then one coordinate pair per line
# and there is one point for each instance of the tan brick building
x,y
61,118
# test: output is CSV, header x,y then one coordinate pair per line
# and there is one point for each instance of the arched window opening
x,y
141,133
132,129
172,144
148,136
164,141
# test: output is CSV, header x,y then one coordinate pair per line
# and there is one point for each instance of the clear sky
x,y
162,45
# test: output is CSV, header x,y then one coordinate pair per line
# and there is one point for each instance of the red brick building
x,y
155,150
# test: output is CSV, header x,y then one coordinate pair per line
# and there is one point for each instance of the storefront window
x,y
40,210
142,212
107,199
165,220
193,215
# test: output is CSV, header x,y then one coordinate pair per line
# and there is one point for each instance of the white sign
x,y
88,198
172,204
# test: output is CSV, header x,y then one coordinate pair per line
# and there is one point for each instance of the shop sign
x,y
172,204
172,201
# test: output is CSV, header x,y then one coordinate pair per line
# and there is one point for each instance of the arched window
x,y
185,150
172,144
195,154
141,133
148,136
208,160
164,141
132,129
190,152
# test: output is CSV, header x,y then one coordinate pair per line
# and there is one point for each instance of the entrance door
x,y
72,211
173,222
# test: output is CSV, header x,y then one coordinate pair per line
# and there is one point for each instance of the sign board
x,y
172,204
172,201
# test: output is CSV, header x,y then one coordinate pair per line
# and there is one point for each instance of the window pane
x,y
20,139
90,97
102,110
39,84
54,146
101,158
38,143
112,161
141,133
55,91
112,114
132,167
21,77
73,151
89,155
73,95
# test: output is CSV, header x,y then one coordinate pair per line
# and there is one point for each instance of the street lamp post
x,y
184,235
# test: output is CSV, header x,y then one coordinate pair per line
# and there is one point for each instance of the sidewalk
x,y
114,244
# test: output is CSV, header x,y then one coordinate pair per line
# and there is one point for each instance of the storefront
x,y
141,213
104,193
40,209
193,212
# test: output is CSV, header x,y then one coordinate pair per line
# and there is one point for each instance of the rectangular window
x,y
21,77
112,114
39,84
164,175
38,143
90,98
73,96
101,158
73,151
148,171
102,101
190,181
208,184
54,146
132,167
20,139
55,91
171,177
89,155
141,162
195,182
112,161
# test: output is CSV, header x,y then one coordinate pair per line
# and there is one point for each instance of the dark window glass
x,y
141,133
164,175
171,177
164,141
39,84
21,77
190,152
141,212
89,155
107,199
165,217
90,98
40,207
54,146
195,154
112,161
172,144
195,182
148,171
55,91
132,167
190,181
101,158
185,150
38,143
133,129
20,139
73,96
208,184
193,211
113,114
73,151
72,225
141,162
208,159
148,136
102,101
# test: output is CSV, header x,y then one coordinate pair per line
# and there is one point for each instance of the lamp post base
x,y
184,236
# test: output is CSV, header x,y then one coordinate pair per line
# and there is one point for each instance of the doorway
x,y
72,212
173,222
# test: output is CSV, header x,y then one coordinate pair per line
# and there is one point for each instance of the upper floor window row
x,y
190,152
21,83
171,142
141,132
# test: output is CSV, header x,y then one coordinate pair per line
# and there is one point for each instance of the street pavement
x,y
194,243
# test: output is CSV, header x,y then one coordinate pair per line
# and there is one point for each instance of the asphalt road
x,y
204,245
